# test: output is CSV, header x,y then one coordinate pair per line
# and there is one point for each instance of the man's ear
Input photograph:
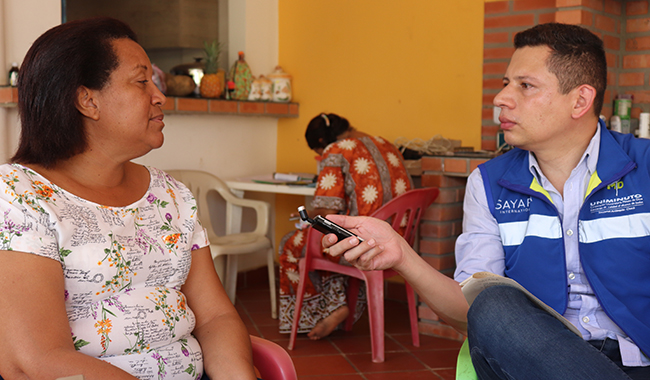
x,y
584,100
86,103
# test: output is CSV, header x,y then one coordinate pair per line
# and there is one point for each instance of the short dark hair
x,y
577,56
324,129
77,53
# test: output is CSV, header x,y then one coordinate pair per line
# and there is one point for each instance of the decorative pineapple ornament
x,y
213,79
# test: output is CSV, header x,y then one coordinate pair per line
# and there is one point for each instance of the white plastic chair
x,y
231,244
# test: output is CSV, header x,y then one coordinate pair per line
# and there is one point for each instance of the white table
x,y
239,185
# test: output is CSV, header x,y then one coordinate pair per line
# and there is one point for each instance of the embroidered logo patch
x,y
511,206
616,204
616,186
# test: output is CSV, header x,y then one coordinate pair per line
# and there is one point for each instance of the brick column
x,y
609,19
441,225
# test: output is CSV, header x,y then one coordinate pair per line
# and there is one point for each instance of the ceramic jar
x,y
281,85
256,89
267,88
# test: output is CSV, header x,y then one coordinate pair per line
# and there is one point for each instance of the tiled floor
x,y
346,355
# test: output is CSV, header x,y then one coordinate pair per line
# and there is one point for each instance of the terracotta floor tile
x,y
322,365
256,294
360,328
345,355
438,359
394,361
263,319
331,377
410,375
446,374
259,302
311,347
396,317
427,342
356,345
257,306
271,332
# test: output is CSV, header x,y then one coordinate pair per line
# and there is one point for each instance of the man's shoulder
x,y
629,142
508,159
637,149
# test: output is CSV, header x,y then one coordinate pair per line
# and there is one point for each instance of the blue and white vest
x,y
613,228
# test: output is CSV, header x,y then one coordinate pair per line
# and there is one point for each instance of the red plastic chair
x,y
403,213
273,362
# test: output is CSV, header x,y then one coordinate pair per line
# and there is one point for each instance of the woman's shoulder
x,y
14,167
19,176
345,146
380,140
24,188
163,182
161,178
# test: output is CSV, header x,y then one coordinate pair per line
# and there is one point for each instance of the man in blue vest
x,y
564,214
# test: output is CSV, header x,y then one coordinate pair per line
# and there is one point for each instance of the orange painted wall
x,y
396,69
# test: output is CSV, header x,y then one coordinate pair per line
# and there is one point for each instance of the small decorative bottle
x,y
13,75
241,75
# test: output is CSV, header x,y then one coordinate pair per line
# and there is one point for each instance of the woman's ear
x,y
86,104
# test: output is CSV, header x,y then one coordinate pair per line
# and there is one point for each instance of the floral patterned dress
x,y
123,267
355,176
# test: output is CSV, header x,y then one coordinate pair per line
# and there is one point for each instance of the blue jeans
x,y
511,338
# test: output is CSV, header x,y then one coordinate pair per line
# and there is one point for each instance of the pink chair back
x,y
273,362
404,214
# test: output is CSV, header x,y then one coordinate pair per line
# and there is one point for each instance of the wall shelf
x,y
193,106
8,96
179,105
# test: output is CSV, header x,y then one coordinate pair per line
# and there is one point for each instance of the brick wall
x,y
441,225
634,61
624,27
232,107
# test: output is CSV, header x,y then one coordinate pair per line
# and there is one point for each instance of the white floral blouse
x,y
123,267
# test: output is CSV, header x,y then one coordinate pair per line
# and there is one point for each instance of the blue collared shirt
x,y
479,248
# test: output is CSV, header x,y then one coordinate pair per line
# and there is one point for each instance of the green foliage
x,y
212,52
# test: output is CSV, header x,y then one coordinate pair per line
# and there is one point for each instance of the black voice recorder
x,y
325,226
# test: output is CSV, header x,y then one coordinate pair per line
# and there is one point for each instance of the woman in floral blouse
x,y
106,268
357,174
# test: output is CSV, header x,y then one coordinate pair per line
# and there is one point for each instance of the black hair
x,y
577,56
64,58
323,130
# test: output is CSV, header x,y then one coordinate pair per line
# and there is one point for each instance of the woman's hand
x,y
383,248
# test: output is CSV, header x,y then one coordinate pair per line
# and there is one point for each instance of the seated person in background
x,y
106,270
357,174
576,232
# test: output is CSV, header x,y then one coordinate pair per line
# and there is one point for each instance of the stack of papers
x,y
293,177
289,179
